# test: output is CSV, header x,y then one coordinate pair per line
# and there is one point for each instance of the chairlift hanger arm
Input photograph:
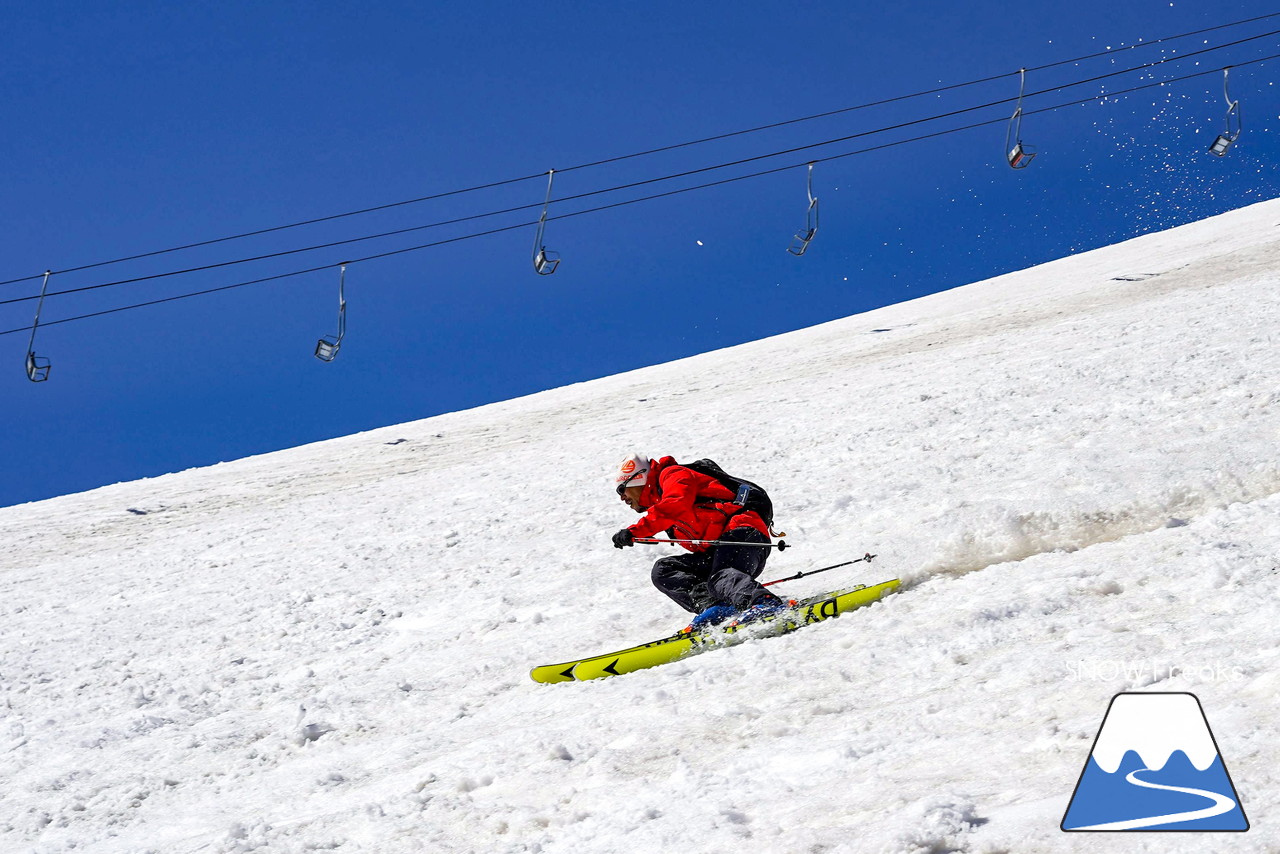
x,y
544,262
800,243
1233,107
37,367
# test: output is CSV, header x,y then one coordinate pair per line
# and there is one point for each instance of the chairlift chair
x,y
1021,155
1233,124
544,261
37,368
328,346
1223,144
800,243
1018,154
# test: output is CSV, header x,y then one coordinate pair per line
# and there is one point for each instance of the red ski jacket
x,y
690,506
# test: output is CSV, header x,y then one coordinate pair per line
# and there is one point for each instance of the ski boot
x,y
713,616
762,609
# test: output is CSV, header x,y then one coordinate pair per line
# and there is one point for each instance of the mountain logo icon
x,y
1155,766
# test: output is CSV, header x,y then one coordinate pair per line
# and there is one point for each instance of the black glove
x,y
624,539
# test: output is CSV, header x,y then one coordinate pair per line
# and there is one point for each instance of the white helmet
x,y
633,471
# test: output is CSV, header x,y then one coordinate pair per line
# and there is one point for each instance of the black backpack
x,y
746,493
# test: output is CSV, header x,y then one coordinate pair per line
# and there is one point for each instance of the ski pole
x,y
779,545
864,559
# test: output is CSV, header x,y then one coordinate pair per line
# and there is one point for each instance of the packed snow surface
x,y
1073,469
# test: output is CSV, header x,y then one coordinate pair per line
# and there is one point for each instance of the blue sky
x,y
140,127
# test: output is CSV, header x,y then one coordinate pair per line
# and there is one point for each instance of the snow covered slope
x,y
1073,467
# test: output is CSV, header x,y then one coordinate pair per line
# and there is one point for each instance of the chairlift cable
x,y
261,231
619,158
895,143
1111,51
670,177
627,202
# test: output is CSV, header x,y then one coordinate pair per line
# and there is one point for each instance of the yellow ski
x,y
683,644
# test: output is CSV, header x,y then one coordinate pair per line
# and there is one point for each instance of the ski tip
x,y
555,673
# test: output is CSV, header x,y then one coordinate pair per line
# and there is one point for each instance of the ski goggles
x,y
622,487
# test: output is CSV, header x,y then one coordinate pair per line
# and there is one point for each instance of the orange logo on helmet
x,y
629,466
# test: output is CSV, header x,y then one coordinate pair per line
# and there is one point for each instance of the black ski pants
x,y
721,575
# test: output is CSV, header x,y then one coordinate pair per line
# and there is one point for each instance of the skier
x,y
714,582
